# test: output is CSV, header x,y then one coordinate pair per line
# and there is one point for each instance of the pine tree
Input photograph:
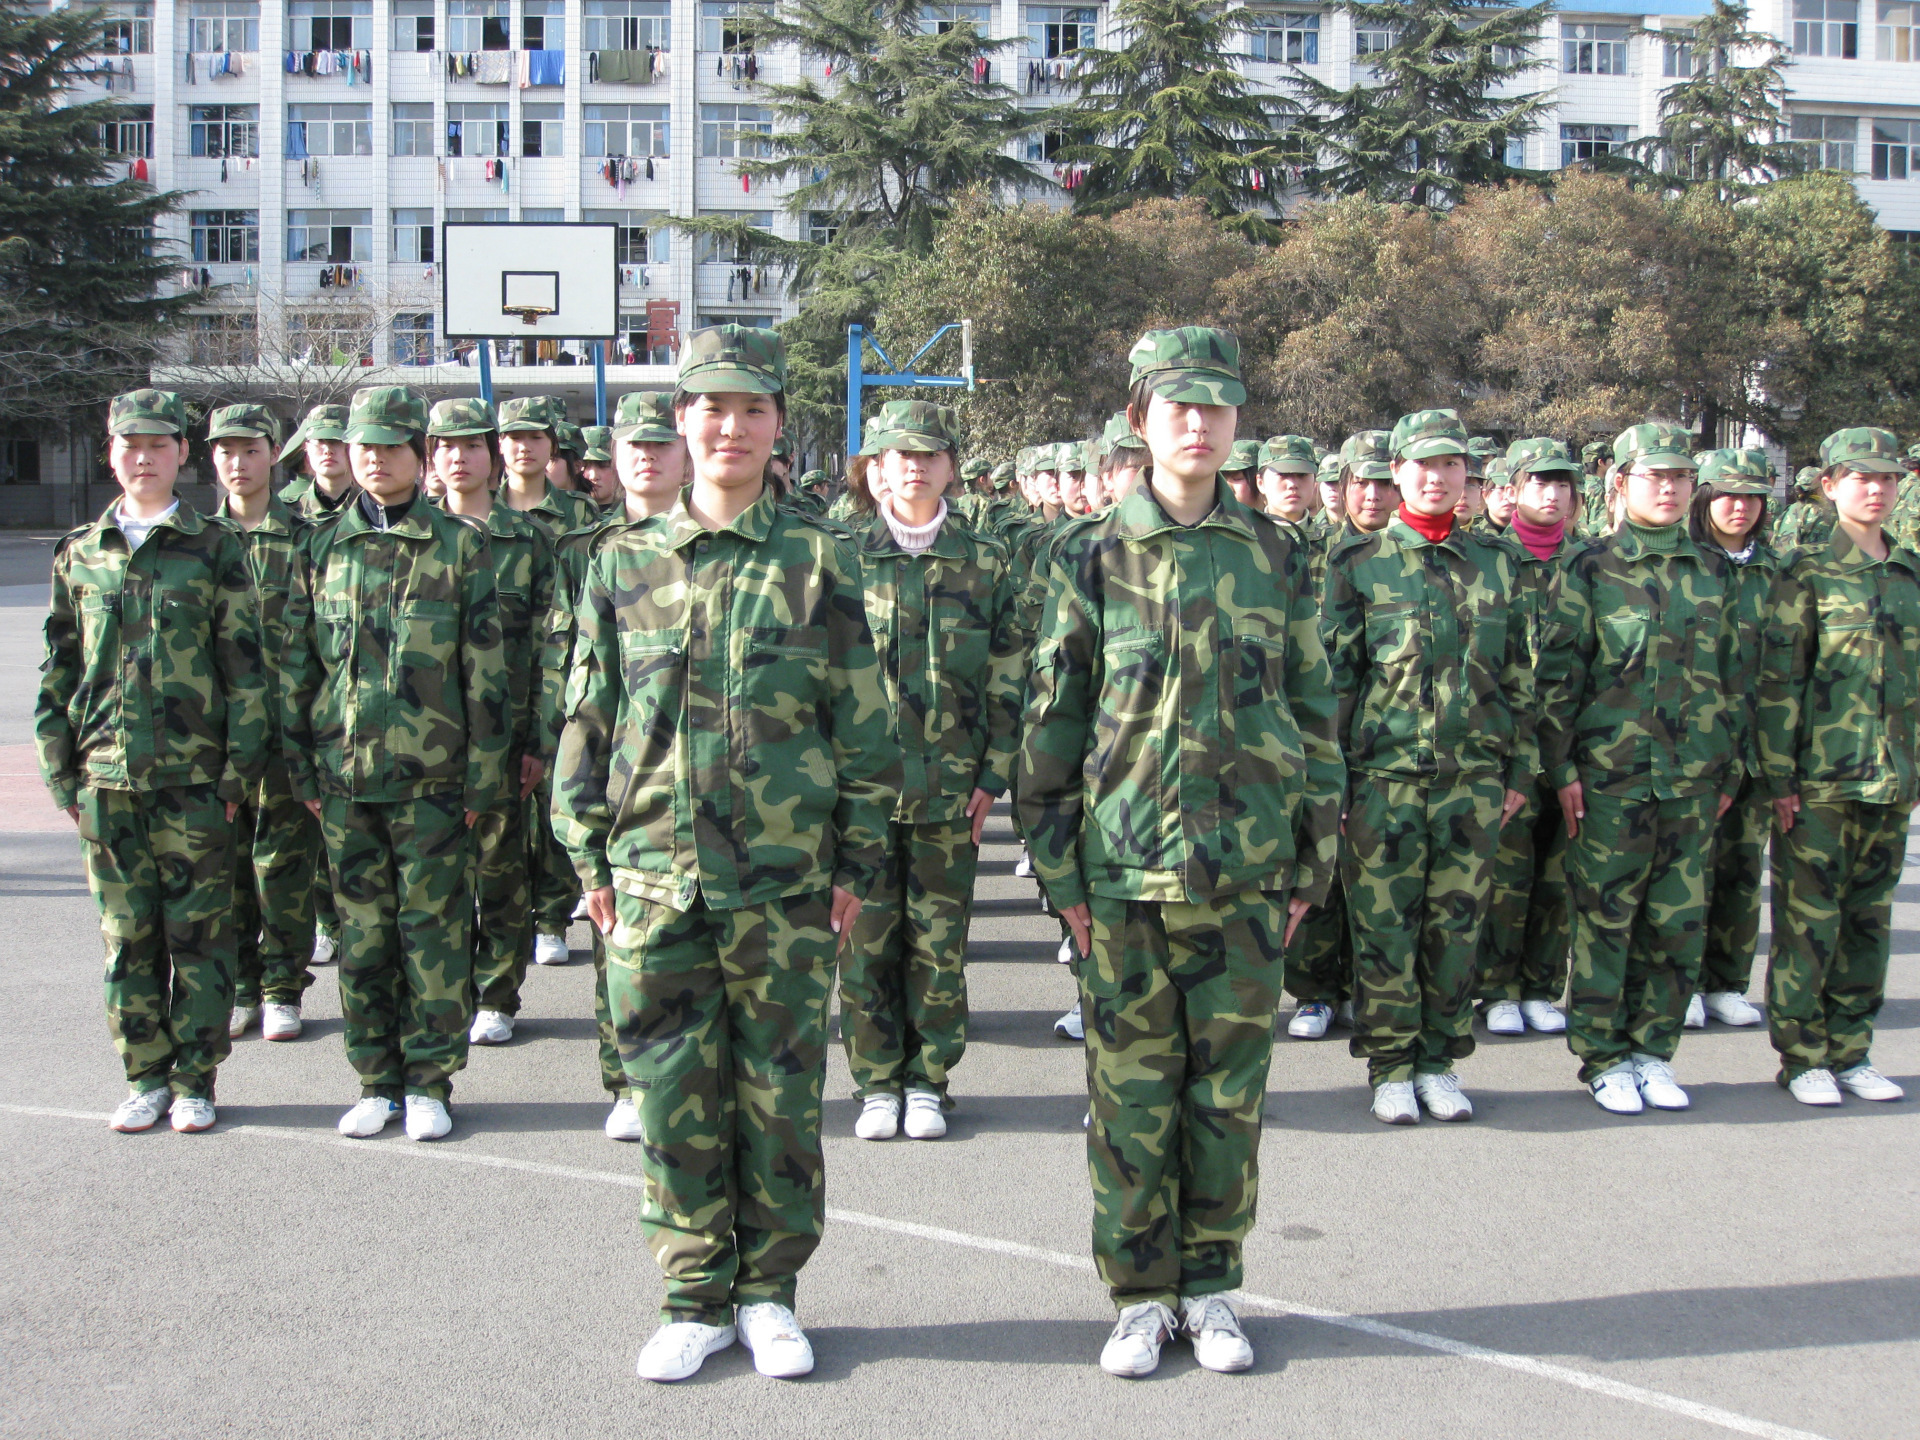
x,y
79,270
1169,115
1427,122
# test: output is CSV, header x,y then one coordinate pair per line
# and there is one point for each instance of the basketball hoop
x,y
529,314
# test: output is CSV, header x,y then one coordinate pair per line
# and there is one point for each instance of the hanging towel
x,y
296,140
549,67
495,67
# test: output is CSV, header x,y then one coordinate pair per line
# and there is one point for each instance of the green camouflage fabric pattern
x,y
596,444
1024,460
147,412
467,415
307,501
1807,524
1497,473
1367,455
976,469
1192,365
1903,522
533,412
153,675
721,1019
1655,445
1289,454
1245,456
502,939
567,440
1427,433
244,422
1864,450
1595,455
1540,455
903,984
1529,925
1733,890
396,674
916,425
1118,434
1319,962
1002,476
645,417
733,359
1179,736
385,415
782,448
160,866
727,726
1329,470
1178,999
1737,472
322,422
561,512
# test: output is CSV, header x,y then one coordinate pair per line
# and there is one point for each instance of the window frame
x,y
359,236
356,14
1260,45
213,235
416,237
243,13
635,20
1893,152
1817,35
418,22
720,140
1605,52
1612,142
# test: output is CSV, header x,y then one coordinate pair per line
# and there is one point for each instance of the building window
x,y
542,130
1827,27
752,322
726,26
720,250
822,227
19,462
413,338
1589,142
214,26
1041,147
129,29
477,25
626,25
330,337
223,340
939,19
413,236
628,129
1372,40
1593,49
225,237
413,127
1893,140
1825,142
1676,59
1056,30
477,129
413,25
329,24
329,130
223,131
1515,157
1285,39
642,239
543,24
728,131
1906,245
1894,37
329,237
131,136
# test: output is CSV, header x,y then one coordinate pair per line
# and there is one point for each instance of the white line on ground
x,y
1380,1329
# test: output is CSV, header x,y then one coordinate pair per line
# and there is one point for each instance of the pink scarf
x,y
1542,540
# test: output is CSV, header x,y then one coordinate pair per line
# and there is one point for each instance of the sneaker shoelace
x,y
1149,1321
782,1325
1448,1082
1656,1072
1212,1313
1864,1075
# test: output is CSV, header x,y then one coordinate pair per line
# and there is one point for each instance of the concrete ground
x,y
1749,1267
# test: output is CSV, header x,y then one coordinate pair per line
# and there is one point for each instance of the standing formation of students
x,y
1413,730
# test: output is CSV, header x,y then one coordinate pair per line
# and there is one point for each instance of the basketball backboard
x,y
501,280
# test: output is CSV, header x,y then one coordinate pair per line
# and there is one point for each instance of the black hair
x,y
1700,521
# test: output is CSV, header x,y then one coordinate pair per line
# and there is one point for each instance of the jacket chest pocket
x,y
964,647
428,633
516,618
181,621
1254,669
1621,637
784,676
1393,635
99,615
1848,643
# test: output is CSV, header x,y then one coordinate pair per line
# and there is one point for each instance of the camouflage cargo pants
x,y
613,1077
277,850
160,865
503,906
401,880
903,985
1320,959
1637,877
326,918
556,888
722,1022
1528,930
1417,865
1834,875
1179,1000
1733,891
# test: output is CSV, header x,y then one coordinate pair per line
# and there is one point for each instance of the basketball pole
x,y
599,382
486,370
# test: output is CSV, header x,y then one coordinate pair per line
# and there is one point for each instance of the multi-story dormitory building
x,y
324,141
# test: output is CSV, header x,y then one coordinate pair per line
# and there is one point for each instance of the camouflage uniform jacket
x,y
153,675
273,554
397,674
1838,696
525,580
1642,703
1433,675
1180,736
1807,524
1759,590
559,512
953,656
303,497
573,555
1903,524
727,729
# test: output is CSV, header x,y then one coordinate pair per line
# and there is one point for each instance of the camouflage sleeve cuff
x,y
1064,890
1779,787
1312,884
1520,777
233,787
592,868
1561,776
66,794
858,875
993,781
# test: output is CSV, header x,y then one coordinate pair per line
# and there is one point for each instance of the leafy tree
x,y
1428,121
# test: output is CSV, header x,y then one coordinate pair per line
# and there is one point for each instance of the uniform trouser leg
x,y
556,888
277,845
1733,889
1637,876
1834,875
1417,864
406,966
503,903
325,916
1320,959
1179,999
722,1019
160,865
613,1076
1524,942
903,986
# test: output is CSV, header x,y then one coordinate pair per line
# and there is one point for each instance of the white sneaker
x,y
551,950
879,1118
673,1352
1869,1084
1441,1097
241,1019
1814,1087
1310,1021
1543,1016
490,1027
1064,955
580,909
924,1119
1023,867
324,948
427,1118
1070,1026
1133,1349
1616,1091
1730,1007
1394,1103
1658,1088
1503,1017
1218,1341
1343,1014
1697,1012
140,1110
368,1118
192,1114
280,1022
779,1345
623,1123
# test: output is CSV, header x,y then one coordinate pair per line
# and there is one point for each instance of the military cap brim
x,y
142,425
239,432
1370,470
522,427
449,432
1546,466
378,435
1429,447
295,443
1664,460
645,434
1868,465
1290,466
1197,387
1740,485
727,380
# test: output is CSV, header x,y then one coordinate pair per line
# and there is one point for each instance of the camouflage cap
x,y
1288,454
1913,452
567,441
1045,461
916,425
732,359
596,444
1594,450
385,415
1023,460
467,415
1737,472
645,417
1193,365
1368,455
1807,478
976,468
1002,475
1480,449
323,422
1428,433
1118,434
1541,455
782,448
244,422
1072,455
1245,456
1498,471
533,412
1656,444
1865,450
1329,472
813,478
147,412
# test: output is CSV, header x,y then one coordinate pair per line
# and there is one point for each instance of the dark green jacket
x,y
273,552
525,579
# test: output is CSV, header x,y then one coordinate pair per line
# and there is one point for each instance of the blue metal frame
x,y
859,382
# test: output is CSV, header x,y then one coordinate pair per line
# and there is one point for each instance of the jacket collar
x,y
1409,538
879,540
1629,545
679,529
1850,556
185,519
1140,516
279,518
416,524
